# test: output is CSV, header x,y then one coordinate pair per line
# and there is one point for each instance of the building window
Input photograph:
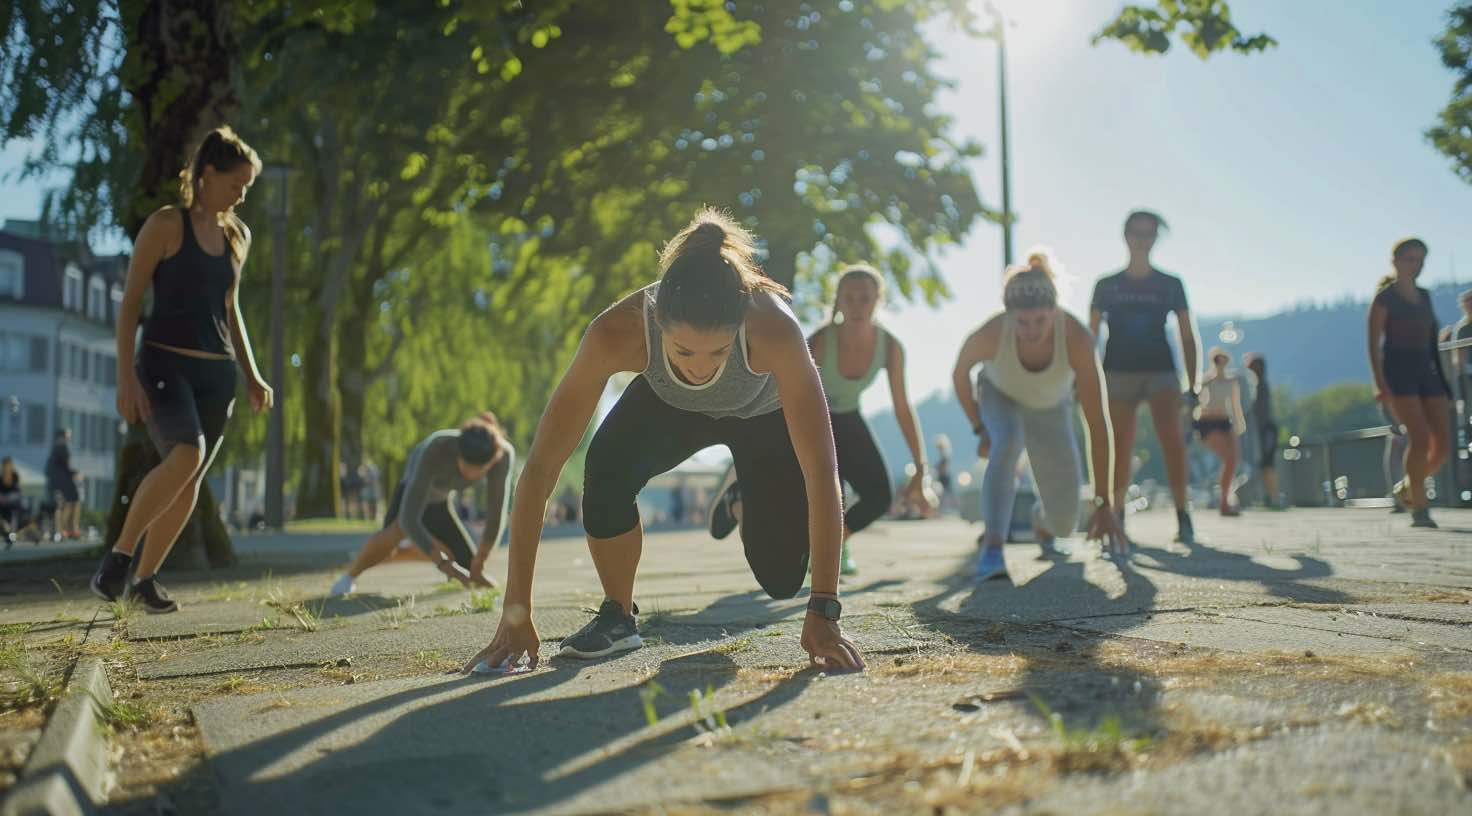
x,y
39,349
71,293
14,352
86,364
11,419
97,299
117,302
12,274
35,424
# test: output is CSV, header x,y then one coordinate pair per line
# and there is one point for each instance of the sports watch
x,y
828,608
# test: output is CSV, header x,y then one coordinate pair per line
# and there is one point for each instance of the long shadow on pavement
x,y
1200,561
1063,668
504,745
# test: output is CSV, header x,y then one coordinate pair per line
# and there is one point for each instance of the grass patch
x,y
734,646
434,660
332,525
341,674
238,685
960,667
307,619
1451,694
483,600
1105,747
122,714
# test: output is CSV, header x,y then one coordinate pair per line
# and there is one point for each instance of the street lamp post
x,y
1001,31
275,510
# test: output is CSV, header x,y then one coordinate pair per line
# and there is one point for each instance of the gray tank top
x,y
735,391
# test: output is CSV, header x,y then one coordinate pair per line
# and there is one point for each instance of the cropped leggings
x,y
1047,436
644,436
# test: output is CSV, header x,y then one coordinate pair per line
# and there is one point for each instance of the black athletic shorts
x,y
1414,373
439,519
190,398
1205,427
1268,439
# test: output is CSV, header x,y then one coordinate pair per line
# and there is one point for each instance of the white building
x,y
58,360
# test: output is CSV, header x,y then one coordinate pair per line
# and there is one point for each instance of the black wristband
x,y
978,428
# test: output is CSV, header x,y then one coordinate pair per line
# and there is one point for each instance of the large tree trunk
x,y
319,495
178,71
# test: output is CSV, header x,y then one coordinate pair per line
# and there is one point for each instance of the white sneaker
x,y
344,585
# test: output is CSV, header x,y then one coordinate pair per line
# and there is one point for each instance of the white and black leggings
x,y
644,436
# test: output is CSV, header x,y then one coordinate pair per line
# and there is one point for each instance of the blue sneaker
x,y
990,564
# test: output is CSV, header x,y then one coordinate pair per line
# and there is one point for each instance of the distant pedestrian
x,y
1408,373
61,486
1264,429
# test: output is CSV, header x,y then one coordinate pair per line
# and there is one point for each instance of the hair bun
x,y
1040,261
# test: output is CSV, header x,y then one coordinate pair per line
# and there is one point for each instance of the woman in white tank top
x,y
1033,355
1219,421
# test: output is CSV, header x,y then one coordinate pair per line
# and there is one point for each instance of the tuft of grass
x,y
120,714
647,695
710,719
267,624
734,646
434,660
121,610
236,684
483,600
400,613
1105,747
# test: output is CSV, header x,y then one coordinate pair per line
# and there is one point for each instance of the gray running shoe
x,y
610,631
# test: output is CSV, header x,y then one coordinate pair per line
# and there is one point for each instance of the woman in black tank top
x,y
1408,374
181,380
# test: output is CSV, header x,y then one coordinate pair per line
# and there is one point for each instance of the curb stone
x,y
67,771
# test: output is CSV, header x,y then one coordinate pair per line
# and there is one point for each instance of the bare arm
x,y
777,340
606,349
239,338
903,410
1241,416
978,348
497,498
1377,360
1190,348
1092,397
152,246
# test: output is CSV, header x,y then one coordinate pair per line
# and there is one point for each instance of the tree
x,y
1452,135
1204,26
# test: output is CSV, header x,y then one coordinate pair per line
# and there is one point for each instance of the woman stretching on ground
x,y
1219,421
1033,355
445,463
851,350
181,381
722,361
1408,377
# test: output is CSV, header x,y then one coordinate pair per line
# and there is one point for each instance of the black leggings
x,y
644,436
861,465
441,522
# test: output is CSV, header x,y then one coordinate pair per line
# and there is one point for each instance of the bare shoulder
x,y
769,319
1076,333
617,335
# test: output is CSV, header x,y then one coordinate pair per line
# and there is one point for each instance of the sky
x,y
1285,175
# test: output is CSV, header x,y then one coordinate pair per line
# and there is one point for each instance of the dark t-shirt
x,y
1136,309
1408,326
59,466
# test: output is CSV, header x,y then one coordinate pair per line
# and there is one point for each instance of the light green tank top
x,y
843,393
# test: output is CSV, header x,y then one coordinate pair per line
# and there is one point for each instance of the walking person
x,y
721,361
1138,364
1408,373
181,379
1264,429
438,472
943,473
61,486
851,350
13,521
1220,421
1034,357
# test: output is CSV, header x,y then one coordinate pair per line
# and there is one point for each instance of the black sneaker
x,y
611,631
722,516
1422,518
1187,531
152,596
111,576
